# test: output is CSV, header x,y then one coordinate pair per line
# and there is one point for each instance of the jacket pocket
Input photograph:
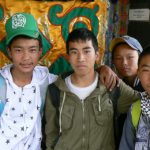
x,y
60,146
105,115
67,116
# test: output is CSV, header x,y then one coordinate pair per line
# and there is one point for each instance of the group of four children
x,y
86,108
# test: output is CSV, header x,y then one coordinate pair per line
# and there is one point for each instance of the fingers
x,y
112,82
108,77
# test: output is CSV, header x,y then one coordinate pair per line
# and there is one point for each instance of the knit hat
x,y
132,42
21,24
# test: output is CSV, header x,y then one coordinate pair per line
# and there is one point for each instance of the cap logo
x,y
18,20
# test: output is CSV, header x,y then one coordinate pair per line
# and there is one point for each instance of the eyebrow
x,y
145,65
18,46
87,47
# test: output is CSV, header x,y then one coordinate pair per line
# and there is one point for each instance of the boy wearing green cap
x,y
20,120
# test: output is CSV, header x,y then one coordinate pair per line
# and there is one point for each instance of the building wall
x,y
140,29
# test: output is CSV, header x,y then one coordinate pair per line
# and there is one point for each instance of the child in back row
x,y
136,133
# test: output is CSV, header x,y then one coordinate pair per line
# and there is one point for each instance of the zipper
x,y
83,126
24,112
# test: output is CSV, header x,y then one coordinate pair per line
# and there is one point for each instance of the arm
x,y
128,136
126,98
52,127
108,77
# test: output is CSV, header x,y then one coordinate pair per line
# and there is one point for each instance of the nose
x,y
80,56
26,54
124,61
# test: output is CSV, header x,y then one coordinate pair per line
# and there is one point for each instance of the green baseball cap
x,y
21,24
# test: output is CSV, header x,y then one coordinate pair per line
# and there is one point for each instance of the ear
x,y
40,51
97,56
138,73
9,52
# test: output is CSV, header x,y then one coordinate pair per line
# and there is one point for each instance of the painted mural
x,y
55,20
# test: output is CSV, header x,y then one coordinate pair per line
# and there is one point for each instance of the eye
x,y
33,50
117,58
145,70
87,51
17,50
73,52
130,57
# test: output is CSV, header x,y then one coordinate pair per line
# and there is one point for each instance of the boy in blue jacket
x,y
136,133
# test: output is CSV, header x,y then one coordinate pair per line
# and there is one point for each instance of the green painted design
x,y
46,45
3,47
3,41
64,22
74,13
60,66
1,13
80,24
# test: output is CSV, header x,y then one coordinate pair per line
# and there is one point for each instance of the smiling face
x,y
125,60
82,57
144,72
24,54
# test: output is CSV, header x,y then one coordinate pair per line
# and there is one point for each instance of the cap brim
x,y
114,42
31,34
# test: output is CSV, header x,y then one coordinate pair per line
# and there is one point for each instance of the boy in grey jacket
x,y
85,120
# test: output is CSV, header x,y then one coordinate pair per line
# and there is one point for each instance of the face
x,y
24,54
144,73
126,61
82,57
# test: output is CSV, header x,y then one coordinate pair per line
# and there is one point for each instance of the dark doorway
x,y
140,29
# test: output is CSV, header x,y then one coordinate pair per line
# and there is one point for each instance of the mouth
x,y
26,65
126,69
81,66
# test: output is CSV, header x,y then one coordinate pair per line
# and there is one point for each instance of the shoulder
x,y
52,78
2,80
136,112
137,85
126,89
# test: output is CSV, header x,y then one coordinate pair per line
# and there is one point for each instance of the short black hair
x,y
82,34
26,37
145,52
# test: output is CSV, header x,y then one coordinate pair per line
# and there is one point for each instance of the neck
x,y
130,80
83,81
21,79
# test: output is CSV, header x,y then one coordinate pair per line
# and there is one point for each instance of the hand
x,y
108,77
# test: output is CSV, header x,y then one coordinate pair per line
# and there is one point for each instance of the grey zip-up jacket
x,y
84,125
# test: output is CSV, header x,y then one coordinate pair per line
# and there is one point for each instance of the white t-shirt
x,y
81,92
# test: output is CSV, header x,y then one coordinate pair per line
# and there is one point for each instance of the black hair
x,y
145,52
82,34
26,37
